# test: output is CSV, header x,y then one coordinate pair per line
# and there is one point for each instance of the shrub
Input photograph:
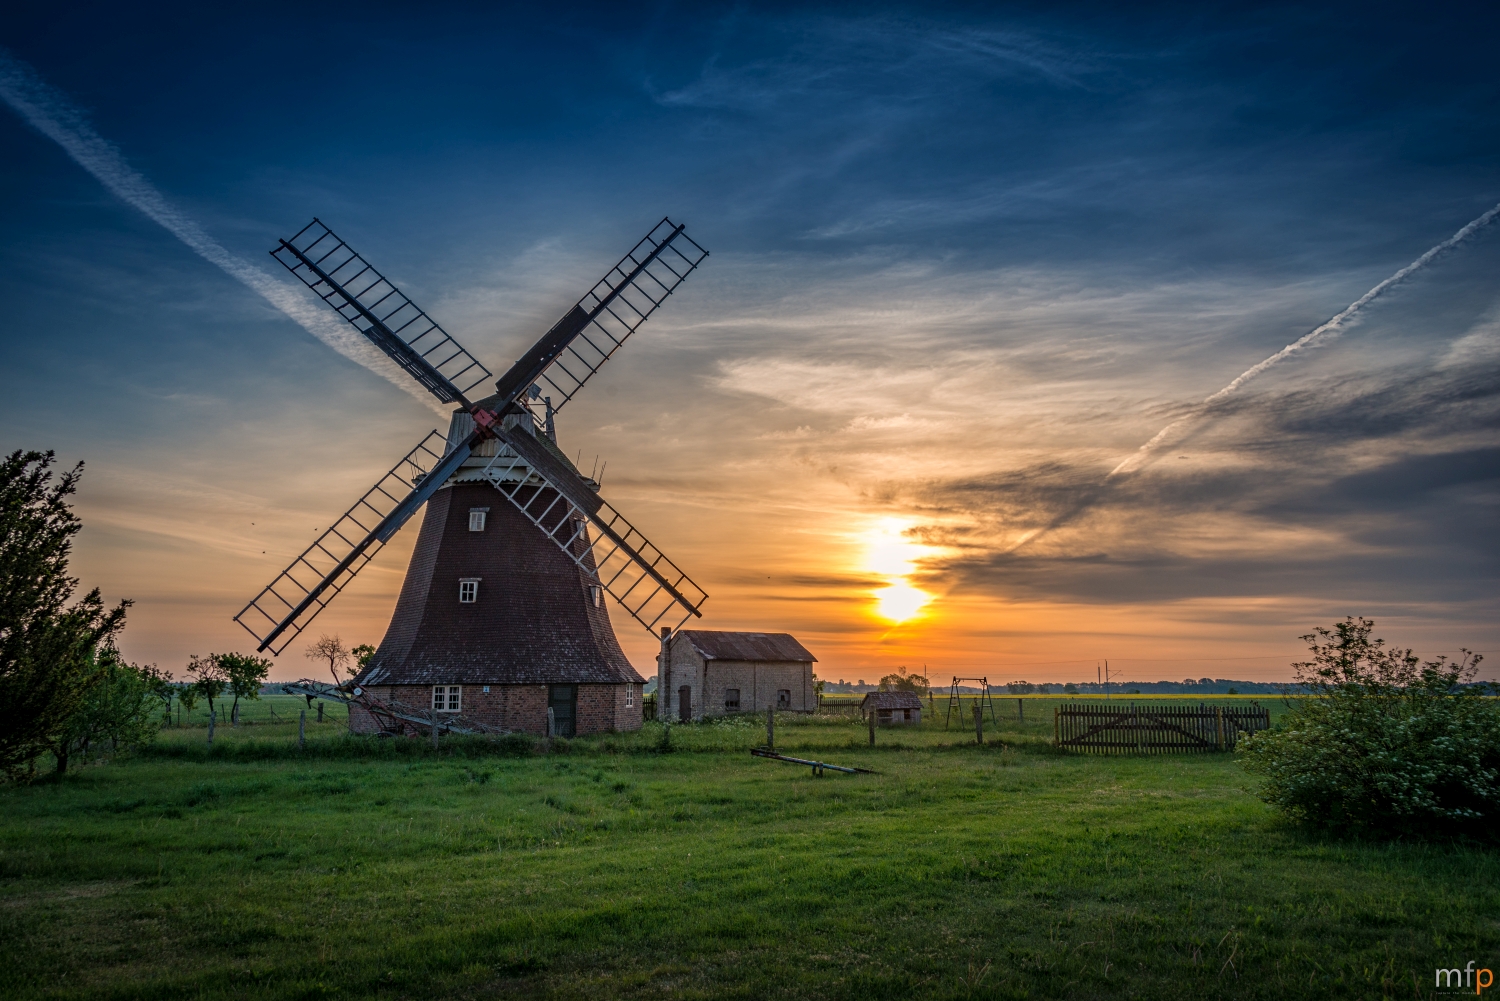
x,y
1389,744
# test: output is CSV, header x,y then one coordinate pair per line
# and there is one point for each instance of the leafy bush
x,y
1388,745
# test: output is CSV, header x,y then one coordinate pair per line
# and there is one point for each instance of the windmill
x,y
511,600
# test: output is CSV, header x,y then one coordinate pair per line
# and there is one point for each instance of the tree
x,y
362,655
47,640
332,650
120,706
1390,744
243,674
903,682
209,679
187,699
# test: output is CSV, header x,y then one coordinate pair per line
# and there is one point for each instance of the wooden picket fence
x,y
1143,729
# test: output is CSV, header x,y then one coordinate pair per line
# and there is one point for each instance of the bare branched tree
x,y
331,649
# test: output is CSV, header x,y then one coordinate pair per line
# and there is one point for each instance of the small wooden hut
x,y
893,707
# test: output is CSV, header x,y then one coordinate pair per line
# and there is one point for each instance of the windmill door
x,y
684,704
563,701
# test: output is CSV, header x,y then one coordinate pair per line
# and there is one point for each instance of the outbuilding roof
x,y
892,700
712,644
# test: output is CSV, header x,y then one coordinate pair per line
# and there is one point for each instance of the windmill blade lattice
x,y
625,563
629,293
293,599
381,311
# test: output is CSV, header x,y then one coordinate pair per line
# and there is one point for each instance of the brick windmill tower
x,y
502,615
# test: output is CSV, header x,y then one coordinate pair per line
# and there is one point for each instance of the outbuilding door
x,y
684,704
563,701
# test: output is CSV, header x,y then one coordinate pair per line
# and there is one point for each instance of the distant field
x,y
266,709
368,868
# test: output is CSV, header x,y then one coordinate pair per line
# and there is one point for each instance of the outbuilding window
x,y
783,698
629,696
447,698
476,518
468,590
732,700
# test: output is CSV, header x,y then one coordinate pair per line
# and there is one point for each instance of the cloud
x,y
880,58
1328,329
1386,484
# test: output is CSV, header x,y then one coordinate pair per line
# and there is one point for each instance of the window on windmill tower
x,y
783,698
732,700
476,518
468,590
596,595
447,698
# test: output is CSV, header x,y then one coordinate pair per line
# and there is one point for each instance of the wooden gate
x,y
1138,729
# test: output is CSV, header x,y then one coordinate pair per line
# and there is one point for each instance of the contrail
x,y
1329,329
52,114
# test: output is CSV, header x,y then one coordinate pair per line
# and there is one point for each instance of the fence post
x,y
771,727
978,723
302,729
1020,711
212,713
320,710
1219,724
435,728
1056,726
872,726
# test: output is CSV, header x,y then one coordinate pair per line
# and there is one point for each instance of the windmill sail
x,y
594,329
626,564
381,311
293,599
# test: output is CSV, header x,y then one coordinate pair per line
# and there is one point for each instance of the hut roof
x,y
715,645
892,700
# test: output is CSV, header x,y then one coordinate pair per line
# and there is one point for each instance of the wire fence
x,y
266,709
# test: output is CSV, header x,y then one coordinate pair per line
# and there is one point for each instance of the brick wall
x,y
600,708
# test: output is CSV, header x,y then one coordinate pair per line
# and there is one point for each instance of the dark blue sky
x,y
965,260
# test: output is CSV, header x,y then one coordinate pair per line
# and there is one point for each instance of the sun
x,y
890,554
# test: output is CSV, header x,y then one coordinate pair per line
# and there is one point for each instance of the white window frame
x,y
596,595
477,517
629,696
468,586
448,698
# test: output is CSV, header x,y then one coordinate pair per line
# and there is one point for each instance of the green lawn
x,y
364,868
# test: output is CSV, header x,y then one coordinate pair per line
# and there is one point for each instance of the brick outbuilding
x,y
704,672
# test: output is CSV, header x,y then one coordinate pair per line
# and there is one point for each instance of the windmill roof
x,y
715,645
893,700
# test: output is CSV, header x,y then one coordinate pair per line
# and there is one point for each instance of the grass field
x,y
365,868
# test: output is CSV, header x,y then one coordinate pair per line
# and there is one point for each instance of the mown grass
x,y
603,868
